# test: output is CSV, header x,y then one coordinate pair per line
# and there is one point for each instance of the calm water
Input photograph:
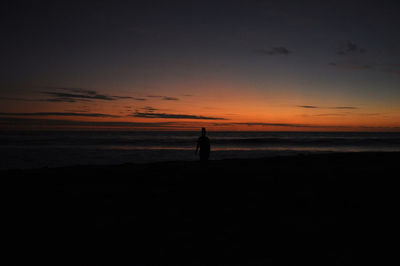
x,y
23,149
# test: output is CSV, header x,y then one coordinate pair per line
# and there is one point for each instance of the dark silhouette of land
x,y
203,143
302,210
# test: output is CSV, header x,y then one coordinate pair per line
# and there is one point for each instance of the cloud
x,y
385,68
17,99
331,107
78,94
280,50
392,71
138,99
373,114
59,114
78,90
350,48
77,111
391,128
281,125
350,65
164,98
29,122
173,116
275,124
344,107
307,106
332,114
149,109
13,122
288,125
390,68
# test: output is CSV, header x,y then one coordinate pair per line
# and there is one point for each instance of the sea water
x,y
32,149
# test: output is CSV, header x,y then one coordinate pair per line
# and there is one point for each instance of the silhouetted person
x,y
204,144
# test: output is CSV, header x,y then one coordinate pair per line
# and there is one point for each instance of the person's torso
x,y
204,143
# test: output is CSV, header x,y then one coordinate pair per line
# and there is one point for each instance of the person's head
x,y
203,131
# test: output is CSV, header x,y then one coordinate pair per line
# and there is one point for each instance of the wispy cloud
x,y
288,125
77,111
344,107
164,98
12,121
308,106
72,95
373,114
85,114
16,122
138,99
312,126
332,114
151,114
149,109
350,48
18,99
392,71
328,107
385,68
350,65
78,94
275,124
280,50
390,68
344,114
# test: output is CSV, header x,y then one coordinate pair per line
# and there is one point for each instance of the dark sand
x,y
303,210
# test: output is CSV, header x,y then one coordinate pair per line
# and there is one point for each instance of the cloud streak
x,y
350,48
60,114
151,114
390,68
276,125
308,106
356,66
332,107
308,126
344,107
12,121
138,99
280,50
164,98
18,99
149,109
78,94
350,65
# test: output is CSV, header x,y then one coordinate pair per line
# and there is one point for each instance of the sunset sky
x,y
181,65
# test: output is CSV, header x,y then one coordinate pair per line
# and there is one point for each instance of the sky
x,y
182,65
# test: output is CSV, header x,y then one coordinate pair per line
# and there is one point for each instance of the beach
x,y
319,209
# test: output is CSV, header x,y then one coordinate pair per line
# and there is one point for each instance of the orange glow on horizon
x,y
229,108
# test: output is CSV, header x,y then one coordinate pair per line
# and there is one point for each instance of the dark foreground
x,y
304,210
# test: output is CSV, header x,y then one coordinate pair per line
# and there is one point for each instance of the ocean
x,y
35,149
